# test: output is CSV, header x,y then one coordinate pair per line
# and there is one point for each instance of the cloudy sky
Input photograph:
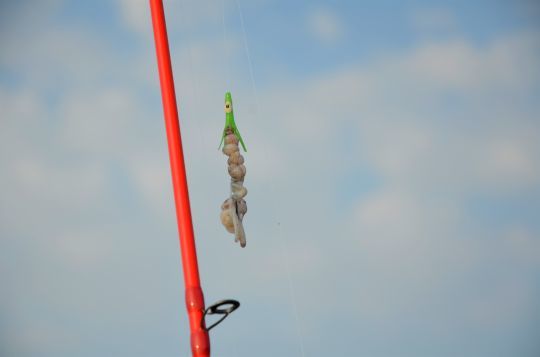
x,y
393,170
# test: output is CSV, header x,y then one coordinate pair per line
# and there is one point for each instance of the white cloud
x,y
394,106
136,15
411,237
65,57
434,20
459,65
181,15
398,249
325,25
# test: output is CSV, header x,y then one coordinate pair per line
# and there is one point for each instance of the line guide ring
x,y
219,309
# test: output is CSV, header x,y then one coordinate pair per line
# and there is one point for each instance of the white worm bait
x,y
234,208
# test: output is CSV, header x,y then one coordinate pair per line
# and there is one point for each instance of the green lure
x,y
229,121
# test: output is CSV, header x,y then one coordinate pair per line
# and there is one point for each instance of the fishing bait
x,y
234,208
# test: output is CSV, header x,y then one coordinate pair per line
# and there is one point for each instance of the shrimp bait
x,y
234,208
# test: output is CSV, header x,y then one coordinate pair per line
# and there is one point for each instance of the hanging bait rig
x,y
234,208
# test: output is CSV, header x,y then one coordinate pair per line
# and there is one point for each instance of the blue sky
x,y
393,174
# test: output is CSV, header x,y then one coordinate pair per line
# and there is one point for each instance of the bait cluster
x,y
234,208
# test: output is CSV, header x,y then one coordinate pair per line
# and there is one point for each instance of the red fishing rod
x,y
200,341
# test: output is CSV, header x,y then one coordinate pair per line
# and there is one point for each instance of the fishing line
x,y
226,57
248,55
292,294
227,80
185,10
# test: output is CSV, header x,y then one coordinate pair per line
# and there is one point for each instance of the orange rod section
x,y
200,342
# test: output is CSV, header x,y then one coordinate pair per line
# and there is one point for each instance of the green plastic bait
x,y
229,121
